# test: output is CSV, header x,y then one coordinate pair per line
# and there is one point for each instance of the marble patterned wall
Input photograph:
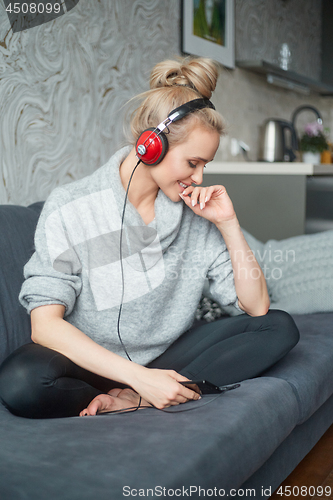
x,y
63,87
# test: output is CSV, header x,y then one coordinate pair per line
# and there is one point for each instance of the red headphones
x,y
152,145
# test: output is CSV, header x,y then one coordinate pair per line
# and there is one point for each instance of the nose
x,y
197,176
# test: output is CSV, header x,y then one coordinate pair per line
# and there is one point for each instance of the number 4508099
x,y
303,491
33,8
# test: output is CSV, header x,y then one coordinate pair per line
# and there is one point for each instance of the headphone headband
x,y
189,107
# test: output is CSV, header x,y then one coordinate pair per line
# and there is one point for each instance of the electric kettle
x,y
275,143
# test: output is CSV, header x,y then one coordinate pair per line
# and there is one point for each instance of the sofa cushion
x,y
219,444
298,271
308,367
17,228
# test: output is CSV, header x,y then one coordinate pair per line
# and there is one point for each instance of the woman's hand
x,y
161,388
212,203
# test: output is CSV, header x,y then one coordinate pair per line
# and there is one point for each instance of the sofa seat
x,y
308,368
219,444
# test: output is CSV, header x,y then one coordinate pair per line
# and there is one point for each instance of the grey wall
x,y
244,98
327,42
262,26
63,86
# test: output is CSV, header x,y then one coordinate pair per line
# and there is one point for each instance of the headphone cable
x,y
122,273
121,261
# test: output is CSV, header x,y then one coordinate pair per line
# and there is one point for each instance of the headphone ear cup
x,y
152,146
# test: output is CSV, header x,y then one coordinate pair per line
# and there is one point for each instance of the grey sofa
x,y
248,438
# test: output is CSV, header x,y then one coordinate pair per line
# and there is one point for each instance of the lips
x,y
183,185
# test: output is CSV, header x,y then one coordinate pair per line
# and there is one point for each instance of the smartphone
x,y
204,386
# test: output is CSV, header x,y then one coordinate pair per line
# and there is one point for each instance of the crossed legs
x,y
37,382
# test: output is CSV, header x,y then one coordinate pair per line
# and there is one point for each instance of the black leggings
x,y
37,382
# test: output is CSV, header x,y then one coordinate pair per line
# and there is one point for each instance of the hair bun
x,y
199,74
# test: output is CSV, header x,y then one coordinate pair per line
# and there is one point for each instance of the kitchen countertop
x,y
269,168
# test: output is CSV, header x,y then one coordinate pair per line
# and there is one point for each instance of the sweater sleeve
x,y
52,275
221,284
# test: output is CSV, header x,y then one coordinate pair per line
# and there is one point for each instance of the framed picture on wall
x,y
208,30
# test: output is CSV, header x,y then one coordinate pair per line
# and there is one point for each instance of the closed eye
x,y
192,165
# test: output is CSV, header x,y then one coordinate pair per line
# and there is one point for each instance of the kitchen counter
x,y
268,168
270,199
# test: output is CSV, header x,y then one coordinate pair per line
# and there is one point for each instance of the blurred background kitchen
x,y
64,86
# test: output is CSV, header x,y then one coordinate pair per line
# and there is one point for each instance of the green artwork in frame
x,y
208,30
209,18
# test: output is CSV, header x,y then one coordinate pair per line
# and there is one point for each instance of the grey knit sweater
x,y
165,263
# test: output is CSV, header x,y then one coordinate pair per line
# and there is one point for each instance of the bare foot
x,y
116,399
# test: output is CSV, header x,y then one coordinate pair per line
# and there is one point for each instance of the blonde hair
x,y
173,83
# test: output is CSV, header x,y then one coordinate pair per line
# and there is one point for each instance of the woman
x,y
93,260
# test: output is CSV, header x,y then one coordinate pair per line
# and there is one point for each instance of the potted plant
x,y
313,142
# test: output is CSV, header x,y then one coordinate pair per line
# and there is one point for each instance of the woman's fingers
x,y
193,387
181,394
194,196
211,190
179,399
197,196
203,198
162,388
189,391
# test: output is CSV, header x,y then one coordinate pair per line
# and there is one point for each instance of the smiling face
x,y
184,163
